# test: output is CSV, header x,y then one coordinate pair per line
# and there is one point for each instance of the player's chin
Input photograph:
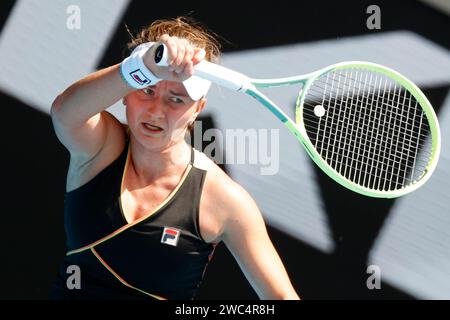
x,y
150,138
153,143
159,139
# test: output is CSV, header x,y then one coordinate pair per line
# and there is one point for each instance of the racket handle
x,y
210,71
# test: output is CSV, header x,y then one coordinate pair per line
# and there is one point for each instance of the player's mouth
x,y
152,128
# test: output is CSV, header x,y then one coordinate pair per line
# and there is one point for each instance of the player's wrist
x,y
135,72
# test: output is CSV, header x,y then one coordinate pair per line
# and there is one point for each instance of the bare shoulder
x,y
81,171
218,184
224,201
232,216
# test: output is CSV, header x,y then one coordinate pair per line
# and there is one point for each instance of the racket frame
x,y
299,130
239,82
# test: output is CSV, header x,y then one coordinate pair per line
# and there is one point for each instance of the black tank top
x,y
161,255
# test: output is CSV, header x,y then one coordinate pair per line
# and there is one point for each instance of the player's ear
x,y
125,99
200,105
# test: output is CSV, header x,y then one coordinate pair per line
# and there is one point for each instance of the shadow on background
x,y
34,163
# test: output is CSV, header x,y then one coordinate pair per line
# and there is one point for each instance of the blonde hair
x,y
181,27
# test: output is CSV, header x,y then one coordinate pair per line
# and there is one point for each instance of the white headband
x,y
137,75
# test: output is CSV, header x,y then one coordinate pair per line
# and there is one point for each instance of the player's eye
x,y
176,100
148,91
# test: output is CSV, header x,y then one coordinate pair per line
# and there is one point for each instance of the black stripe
x,y
247,26
5,9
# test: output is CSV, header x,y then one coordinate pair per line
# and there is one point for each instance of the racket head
x,y
383,137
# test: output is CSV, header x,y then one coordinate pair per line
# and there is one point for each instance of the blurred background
x,y
329,238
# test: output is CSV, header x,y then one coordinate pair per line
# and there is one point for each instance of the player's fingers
x,y
172,50
199,55
188,70
180,58
188,55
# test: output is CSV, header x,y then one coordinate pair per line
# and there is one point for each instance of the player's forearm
x,y
288,293
90,95
292,295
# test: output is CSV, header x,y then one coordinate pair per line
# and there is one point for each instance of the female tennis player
x,y
143,209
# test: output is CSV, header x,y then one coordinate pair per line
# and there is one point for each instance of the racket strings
x,y
373,120
399,125
370,156
364,126
362,100
386,104
382,173
374,132
398,155
365,84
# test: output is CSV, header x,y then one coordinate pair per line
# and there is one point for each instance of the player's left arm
x,y
246,236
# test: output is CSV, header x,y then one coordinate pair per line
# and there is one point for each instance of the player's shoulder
x,y
218,184
215,174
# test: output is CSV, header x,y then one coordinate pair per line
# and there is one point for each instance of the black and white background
x,y
327,236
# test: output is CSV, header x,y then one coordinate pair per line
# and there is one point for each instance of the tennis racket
x,y
365,125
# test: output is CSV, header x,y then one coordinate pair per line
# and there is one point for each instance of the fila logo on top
x,y
170,236
139,77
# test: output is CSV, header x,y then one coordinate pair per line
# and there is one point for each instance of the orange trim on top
x,y
103,262
129,225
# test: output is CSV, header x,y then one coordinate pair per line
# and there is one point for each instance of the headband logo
x,y
139,77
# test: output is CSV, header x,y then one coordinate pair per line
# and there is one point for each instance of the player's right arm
x,y
79,117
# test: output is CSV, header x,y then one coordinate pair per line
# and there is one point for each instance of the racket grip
x,y
161,58
210,71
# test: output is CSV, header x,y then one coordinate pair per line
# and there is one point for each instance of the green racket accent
x,y
382,138
365,125
397,142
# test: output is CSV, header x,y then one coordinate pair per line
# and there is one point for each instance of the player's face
x,y
158,115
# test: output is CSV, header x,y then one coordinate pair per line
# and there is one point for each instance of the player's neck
x,y
149,165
